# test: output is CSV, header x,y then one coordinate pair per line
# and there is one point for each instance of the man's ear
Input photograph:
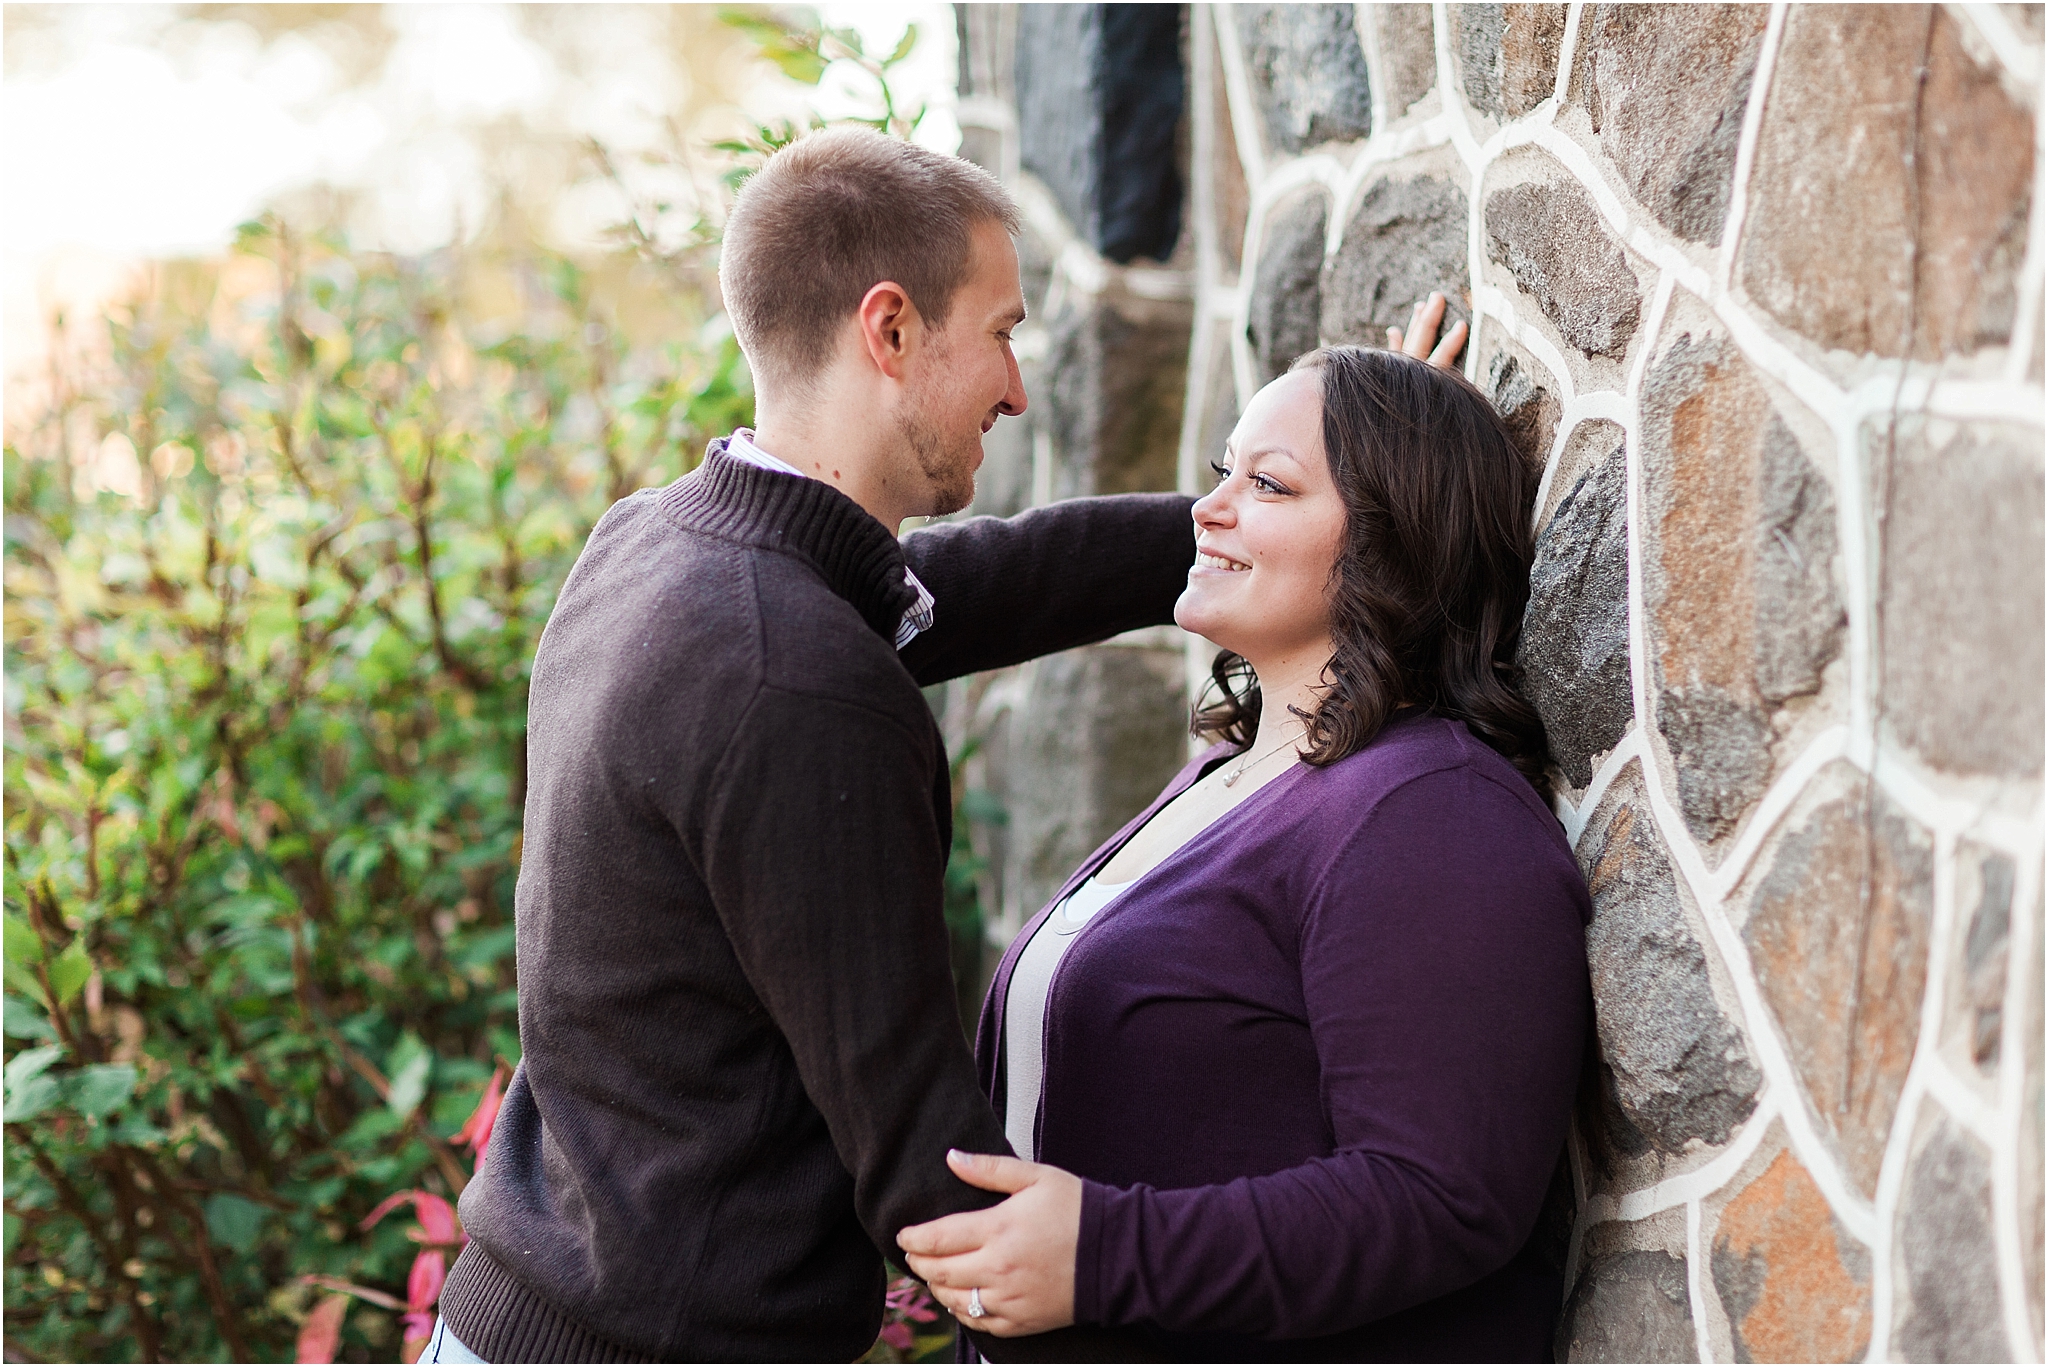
x,y
890,327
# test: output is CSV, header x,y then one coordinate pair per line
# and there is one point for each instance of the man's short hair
x,y
831,216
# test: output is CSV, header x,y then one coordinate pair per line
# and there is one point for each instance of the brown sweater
x,y
742,1064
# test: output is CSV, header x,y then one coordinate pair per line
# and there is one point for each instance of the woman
x,y
1294,1052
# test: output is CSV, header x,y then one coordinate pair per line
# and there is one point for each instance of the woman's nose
x,y
1213,508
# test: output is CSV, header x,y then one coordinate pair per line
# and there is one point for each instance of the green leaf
x,y
24,1021
69,970
24,946
903,48
102,1087
235,1221
30,1088
412,1064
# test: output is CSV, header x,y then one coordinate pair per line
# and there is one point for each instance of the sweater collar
x,y
855,555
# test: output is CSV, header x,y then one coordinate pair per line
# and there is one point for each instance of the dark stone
x,y
1116,382
1985,954
1407,39
1722,747
1950,1255
1629,1307
1527,406
1838,936
1308,72
1551,238
1962,648
1099,96
1287,293
1681,1071
1507,55
1574,651
1666,87
1406,239
1888,212
1739,582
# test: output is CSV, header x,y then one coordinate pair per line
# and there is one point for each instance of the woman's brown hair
x,y
1427,594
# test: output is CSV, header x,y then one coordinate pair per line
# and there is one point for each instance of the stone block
x,y
1307,72
1629,1306
1962,646
1680,1069
1217,408
1739,584
1551,239
1099,98
1230,197
1405,239
1951,1308
1525,403
1099,733
1795,1285
2028,1195
1507,55
1666,87
1286,304
1116,381
1574,650
1838,934
1985,885
1888,214
1407,41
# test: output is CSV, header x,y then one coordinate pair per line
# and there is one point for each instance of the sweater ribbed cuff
x,y
501,1321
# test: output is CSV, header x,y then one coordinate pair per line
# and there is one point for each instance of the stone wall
x,y
1761,289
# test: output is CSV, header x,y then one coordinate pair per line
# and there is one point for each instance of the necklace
x,y
1247,764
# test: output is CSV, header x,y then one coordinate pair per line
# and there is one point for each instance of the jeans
x,y
445,1347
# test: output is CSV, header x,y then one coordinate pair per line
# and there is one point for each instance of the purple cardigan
x,y
1317,1066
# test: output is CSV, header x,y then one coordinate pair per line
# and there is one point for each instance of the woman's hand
x,y
1429,314
1019,1254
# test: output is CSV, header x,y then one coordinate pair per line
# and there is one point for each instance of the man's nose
x,y
1014,400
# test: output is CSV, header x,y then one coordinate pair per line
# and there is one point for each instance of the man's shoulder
x,y
699,603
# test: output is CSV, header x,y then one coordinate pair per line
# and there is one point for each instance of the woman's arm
x,y
1443,968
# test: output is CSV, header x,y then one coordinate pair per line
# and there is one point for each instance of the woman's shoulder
x,y
1424,762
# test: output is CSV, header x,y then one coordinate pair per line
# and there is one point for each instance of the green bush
x,y
265,733
278,549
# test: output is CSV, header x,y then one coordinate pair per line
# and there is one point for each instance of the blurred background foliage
x,y
280,539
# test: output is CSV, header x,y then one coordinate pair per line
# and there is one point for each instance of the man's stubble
x,y
948,469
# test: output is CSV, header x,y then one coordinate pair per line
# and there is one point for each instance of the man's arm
x,y
1011,589
825,861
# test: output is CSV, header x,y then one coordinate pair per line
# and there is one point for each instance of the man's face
x,y
966,376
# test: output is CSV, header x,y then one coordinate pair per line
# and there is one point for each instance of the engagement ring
x,y
974,1310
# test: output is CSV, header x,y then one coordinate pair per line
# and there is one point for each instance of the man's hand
x,y
1422,326
1019,1255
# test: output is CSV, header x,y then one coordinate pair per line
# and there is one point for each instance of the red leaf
x,y
387,1205
423,1285
437,1218
476,1131
320,1335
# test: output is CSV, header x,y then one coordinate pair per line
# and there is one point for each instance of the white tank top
x,y
1024,1008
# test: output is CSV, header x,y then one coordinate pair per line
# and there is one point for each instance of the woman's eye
x,y
1222,471
1267,486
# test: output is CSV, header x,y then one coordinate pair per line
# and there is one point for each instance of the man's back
x,y
742,1067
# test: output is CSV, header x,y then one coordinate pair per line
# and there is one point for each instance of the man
x,y
742,1065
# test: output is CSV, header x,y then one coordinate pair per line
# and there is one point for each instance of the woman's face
x,y
1267,536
